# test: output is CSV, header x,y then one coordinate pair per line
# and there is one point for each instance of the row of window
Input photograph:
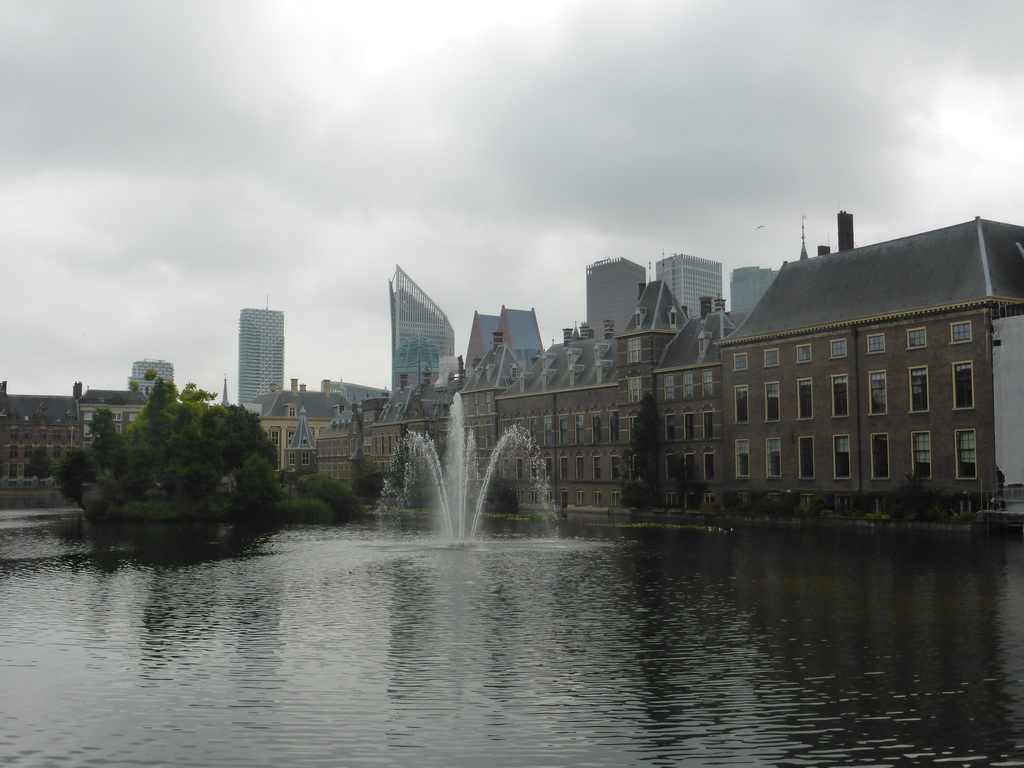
x,y
874,343
571,428
25,451
878,402
964,443
694,384
687,429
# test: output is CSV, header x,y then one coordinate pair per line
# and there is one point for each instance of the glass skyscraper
x,y
260,352
422,339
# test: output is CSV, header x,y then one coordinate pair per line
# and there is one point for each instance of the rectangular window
x,y
707,382
709,424
840,398
880,456
597,467
563,429
595,427
580,429
597,498
959,332
688,384
670,386
633,350
773,457
921,444
688,427
613,426
579,468
740,397
803,353
771,358
771,401
739,361
616,468
876,343
709,466
919,389
670,426
966,466
563,467
635,391
806,448
879,399
963,385
742,458
837,347
804,400
841,456
916,337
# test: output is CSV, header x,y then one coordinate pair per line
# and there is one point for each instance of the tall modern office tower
x,y
164,370
689,278
613,289
422,339
747,285
260,352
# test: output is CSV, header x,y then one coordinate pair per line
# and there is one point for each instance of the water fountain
x,y
461,488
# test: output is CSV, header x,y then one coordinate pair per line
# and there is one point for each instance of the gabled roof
x,y
113,397
497,369
317,405
686,348
577,364
303,439
656,310
55,408
967,263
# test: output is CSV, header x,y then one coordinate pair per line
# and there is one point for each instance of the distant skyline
x,y
164,164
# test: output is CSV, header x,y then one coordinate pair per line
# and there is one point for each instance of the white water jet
x,y
461,489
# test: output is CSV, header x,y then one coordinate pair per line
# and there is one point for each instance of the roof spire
x,y
803,240
224,397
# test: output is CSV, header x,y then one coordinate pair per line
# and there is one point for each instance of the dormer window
x,y
513,372
292,412
673,316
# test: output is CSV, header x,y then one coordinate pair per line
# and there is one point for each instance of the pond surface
x,y
571,644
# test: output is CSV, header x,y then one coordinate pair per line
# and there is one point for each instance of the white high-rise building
x,y
260,352
689,278
164,370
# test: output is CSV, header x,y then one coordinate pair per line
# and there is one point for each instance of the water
x,y
459,489
569,644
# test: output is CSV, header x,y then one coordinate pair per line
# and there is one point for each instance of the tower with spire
x,y
803,240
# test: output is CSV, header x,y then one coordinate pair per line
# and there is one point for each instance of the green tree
x,y
242,435
38,463
258,489
74,473
367,480
641,487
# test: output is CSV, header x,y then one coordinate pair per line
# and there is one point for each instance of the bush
x,y
305,510
340,499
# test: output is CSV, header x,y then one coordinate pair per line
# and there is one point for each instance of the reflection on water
x,y
587,644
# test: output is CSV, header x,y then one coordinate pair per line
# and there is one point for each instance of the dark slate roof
x,y
29,407
655,308
414,403
685,348
317,404
522,324
113,397
303,439
580,363
965,263
497,369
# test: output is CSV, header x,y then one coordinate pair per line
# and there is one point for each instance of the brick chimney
x,y
566,336
823,250
609,328
325,386
719,305
705,306
497,339
76,390
295,386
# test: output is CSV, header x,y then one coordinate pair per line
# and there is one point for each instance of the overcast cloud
x,y
165,164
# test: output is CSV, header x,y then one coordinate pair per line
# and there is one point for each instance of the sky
x,y
165,164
